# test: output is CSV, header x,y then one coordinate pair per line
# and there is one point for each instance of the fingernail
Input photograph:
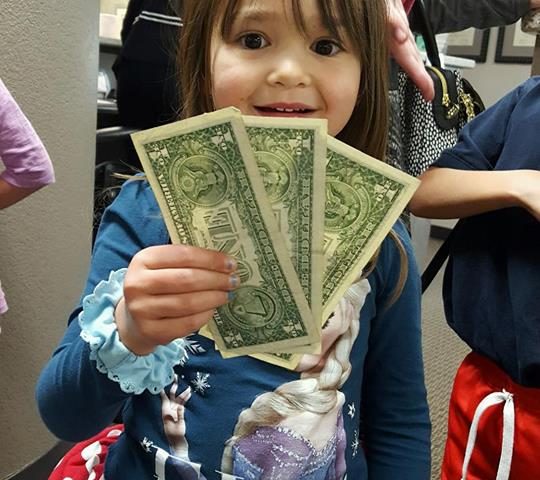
x,y
231,264
234,281
230,296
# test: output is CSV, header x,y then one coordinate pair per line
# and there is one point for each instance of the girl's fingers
x,y
185,280
184,256
167,329
164,307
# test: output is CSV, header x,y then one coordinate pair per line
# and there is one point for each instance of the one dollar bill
x,y
364,198
205,179
291,158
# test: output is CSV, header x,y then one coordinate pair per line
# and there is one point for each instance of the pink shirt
x,y
21,151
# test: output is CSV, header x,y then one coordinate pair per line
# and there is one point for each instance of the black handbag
x,y
429,128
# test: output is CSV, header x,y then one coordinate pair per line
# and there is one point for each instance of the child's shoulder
x,y
138,189
531,84
528,92
136,206
397,240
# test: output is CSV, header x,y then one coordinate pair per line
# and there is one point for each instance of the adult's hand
x,y
535,4
403,48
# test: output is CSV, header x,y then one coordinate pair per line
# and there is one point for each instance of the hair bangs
x,y
330,12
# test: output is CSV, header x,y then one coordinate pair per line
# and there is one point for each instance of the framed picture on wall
x,y
513,45
470,43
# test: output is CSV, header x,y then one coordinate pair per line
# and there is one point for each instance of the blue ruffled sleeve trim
x,y
134,373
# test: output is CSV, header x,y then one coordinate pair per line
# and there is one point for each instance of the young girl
x,y
132,346
27,164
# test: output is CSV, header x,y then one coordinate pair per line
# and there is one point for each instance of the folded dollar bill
x,y
325,207
364,198
207,183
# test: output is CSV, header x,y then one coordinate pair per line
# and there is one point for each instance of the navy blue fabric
x,y
385,399
492,282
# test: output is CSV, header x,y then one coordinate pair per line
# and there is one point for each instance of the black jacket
x,y
149,41
455,15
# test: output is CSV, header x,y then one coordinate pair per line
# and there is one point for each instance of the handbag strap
x,y
536,58
438,260
531,24
422,25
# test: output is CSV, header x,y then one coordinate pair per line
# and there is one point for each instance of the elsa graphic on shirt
x,y
296,432
176,463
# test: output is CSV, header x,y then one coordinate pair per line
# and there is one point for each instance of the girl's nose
x,y
289,73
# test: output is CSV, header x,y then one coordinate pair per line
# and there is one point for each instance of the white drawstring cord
x,y
505,461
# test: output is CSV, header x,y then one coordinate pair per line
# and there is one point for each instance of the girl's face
x,y
268,66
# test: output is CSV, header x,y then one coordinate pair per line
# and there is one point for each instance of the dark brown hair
x,y
363,21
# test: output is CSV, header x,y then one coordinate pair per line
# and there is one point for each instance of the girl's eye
x,y
326,47
253,41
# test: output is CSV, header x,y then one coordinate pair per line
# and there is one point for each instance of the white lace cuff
x,y
134,373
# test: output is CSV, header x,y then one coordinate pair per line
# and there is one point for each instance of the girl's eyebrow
x,y
262,15
255,14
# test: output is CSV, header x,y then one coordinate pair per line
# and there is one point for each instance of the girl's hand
x,y
171,291
403,48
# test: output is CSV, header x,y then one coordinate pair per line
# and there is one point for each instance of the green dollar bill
x,y
364,198
291,156
207,184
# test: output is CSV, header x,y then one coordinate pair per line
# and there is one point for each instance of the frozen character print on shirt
x,y
175,463
296,432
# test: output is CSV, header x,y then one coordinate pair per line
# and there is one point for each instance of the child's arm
x,y
395,415
450,193
164,298
493,165
28,166
75,400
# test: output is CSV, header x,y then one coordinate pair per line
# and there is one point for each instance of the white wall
x,y
493,80
48,59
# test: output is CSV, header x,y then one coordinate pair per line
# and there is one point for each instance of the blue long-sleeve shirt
x,y
381,431
492,280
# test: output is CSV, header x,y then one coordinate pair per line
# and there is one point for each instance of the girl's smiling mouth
x,y
284,109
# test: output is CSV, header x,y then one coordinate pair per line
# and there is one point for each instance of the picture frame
x,y
514,45
471,43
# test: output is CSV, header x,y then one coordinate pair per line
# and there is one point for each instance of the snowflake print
x,y
200,382
355,444
192,346
352,410
147,444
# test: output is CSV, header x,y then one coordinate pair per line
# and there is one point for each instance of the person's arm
x,y
27,164
455,15
76,400
10,194
402,47
450,193
395,418
463,181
